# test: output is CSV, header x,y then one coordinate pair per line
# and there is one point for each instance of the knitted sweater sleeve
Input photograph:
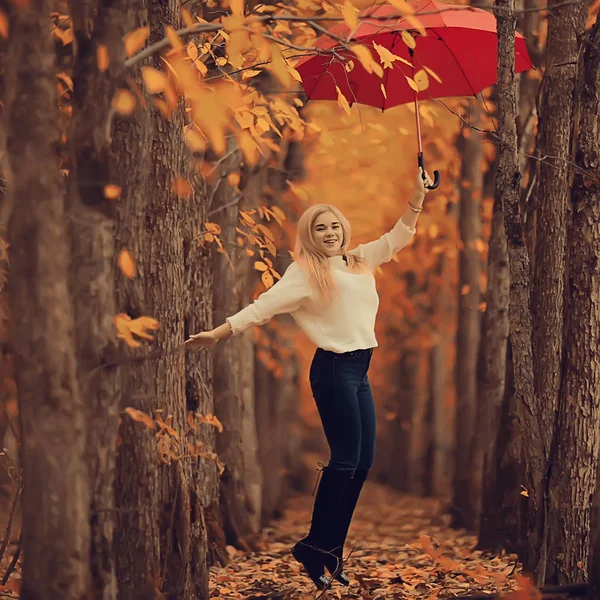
x,y
381,251
286,296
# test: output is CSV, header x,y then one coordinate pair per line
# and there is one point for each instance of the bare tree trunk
x,y
55,497
575,451
493,367
554,145
469,320
520,332
92,274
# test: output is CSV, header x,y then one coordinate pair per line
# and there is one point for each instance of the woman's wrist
x,y
222,331
417,200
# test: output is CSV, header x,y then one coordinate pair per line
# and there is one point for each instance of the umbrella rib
x,y
387,74
457,62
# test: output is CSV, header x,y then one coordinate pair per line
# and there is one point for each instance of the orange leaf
x,y
213,228
3,24
126,264
182,188
155,80
195,140
192,51
465,289
165,426
187,18
112,192
173,38
135,40
267,279
140,417
433,74
421,79
210,419
350,15
163,108
233,179
209,237
102,58
341,100
126,327
260,266
124,102
412,83
408,39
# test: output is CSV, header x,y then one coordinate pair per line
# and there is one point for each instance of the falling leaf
x,y
3,24
233,179
155,80
524,492
350,15
126,264
139,417
408,39
124,102
102,58
182,188
260,266
365,56
111,191
135,40
126,327
388,58
412,84
341,100
421,79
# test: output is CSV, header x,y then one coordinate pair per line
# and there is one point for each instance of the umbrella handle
x,y
436,174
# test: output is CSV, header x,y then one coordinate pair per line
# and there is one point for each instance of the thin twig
x,y
13,562
10,521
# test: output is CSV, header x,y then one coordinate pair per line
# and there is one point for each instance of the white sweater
x,y
348,322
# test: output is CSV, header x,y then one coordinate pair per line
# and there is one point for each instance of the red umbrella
x,y
450,50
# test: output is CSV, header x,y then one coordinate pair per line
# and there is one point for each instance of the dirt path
x,y
400,548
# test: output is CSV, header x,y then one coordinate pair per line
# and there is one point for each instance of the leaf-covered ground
x,y
400,547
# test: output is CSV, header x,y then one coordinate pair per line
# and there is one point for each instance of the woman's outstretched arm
x,y
286,296
382,250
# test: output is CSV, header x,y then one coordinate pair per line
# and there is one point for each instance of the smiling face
x,y
328,234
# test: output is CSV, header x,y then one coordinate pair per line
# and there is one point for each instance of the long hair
x,y
314,261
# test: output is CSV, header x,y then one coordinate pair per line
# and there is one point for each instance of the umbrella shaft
x,y
418,120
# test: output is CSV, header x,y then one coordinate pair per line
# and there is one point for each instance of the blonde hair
x,y
313,260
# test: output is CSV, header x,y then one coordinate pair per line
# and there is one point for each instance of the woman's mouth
x,y
331,242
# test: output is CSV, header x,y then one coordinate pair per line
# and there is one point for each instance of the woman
x,y
330,292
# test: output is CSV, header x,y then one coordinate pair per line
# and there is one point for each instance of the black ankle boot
x,y
319,547
334,564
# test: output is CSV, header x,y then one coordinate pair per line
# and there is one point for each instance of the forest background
x,y
155,157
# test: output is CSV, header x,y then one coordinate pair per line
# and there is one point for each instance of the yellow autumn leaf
x,y
233,179
111,191
388,58
173,38
192,51
421,79
251,73
383,91
195,140
238,41
433,74
155,80
126,264
139,417
127,327
278,214
260,266
408,39
209,237
249,148
135,40
278,67
181,188
267,279
365,56
341,100
102,58
404,8
212,228
210,419
350,15
412,84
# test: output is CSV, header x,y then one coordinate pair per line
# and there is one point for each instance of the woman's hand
x,y
421,188
205,339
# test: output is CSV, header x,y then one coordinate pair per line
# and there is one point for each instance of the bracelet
x,y
414,208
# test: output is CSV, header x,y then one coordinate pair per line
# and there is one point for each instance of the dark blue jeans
x,y
340,386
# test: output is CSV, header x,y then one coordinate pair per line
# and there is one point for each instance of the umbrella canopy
x,y
459,52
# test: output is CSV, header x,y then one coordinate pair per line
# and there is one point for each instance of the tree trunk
x,y
55,496
520,330
500,522
575,452
493,367
227,364
554,145
92,275
469,319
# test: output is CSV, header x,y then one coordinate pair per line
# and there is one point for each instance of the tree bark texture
x,y
227,363
55,496
493,366
92,275
469,317
501,507
161,533
554,181
520,327
574,458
